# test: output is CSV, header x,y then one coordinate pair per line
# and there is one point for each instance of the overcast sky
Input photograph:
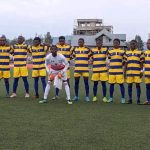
x,y
28,17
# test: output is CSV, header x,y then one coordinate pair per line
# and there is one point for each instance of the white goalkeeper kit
x,y
54,66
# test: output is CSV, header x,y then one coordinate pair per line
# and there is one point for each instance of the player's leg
x,y
95,86
147,102
112,81
138,90
86,84
16,75
15,85
122,90
6,80
104,79
76,88
111,93
43,80
26,85
104,88
147,83
36,87
130,93
6,76
67,89
47,90
24,75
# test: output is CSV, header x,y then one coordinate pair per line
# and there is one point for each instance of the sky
x,y
31,17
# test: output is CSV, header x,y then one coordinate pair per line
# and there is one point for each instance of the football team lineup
x,y
130,66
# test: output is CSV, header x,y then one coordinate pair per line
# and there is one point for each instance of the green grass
x,y
26,125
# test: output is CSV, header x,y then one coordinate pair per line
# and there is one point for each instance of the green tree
x,y
140,42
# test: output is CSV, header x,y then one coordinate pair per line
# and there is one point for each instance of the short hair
x,y
37,38
135,41
61,38
81,39
20,36
53,47
99,39
117,40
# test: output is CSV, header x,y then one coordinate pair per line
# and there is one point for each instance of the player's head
x,y
54,50
36,41
81,42
61,40
99,42
3,40
148,44
116,43
20,39
133,45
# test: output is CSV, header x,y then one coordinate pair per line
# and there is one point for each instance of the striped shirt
x,y
147,63
116,61
134,60
20,54
38,56
4,58
82,55
65,50
99,60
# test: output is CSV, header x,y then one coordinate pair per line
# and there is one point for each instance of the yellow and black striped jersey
x,y
147,63
38,56
116,61
5,58
20,54
99,60
82,55
65,50
134,60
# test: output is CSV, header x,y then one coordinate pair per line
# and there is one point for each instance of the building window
x,y
83,25
88,25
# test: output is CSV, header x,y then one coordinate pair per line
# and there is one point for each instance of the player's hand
x,y
141,74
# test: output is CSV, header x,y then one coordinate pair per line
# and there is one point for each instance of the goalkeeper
x,y
56,67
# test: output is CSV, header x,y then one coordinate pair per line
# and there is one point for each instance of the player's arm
x,y
66,64
47,63
141,64
12,50
125,63
29,48
72,55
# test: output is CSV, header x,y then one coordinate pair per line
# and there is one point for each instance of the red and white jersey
x,y
57,63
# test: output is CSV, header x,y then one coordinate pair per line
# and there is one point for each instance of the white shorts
x,y
64,75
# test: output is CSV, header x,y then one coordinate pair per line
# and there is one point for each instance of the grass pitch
x,y
27,125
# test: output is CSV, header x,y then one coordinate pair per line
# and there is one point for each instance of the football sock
x,y
26,84
86,83
56,91
7,85
148,92
95,88
67,89
76,87
36,86
43,79
111,90
122,89
104,88
130,92
138,90
47,89
15,85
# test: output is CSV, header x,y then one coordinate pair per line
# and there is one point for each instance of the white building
x,y
90,30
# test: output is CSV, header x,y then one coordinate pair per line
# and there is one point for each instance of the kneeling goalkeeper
x,y
56,66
